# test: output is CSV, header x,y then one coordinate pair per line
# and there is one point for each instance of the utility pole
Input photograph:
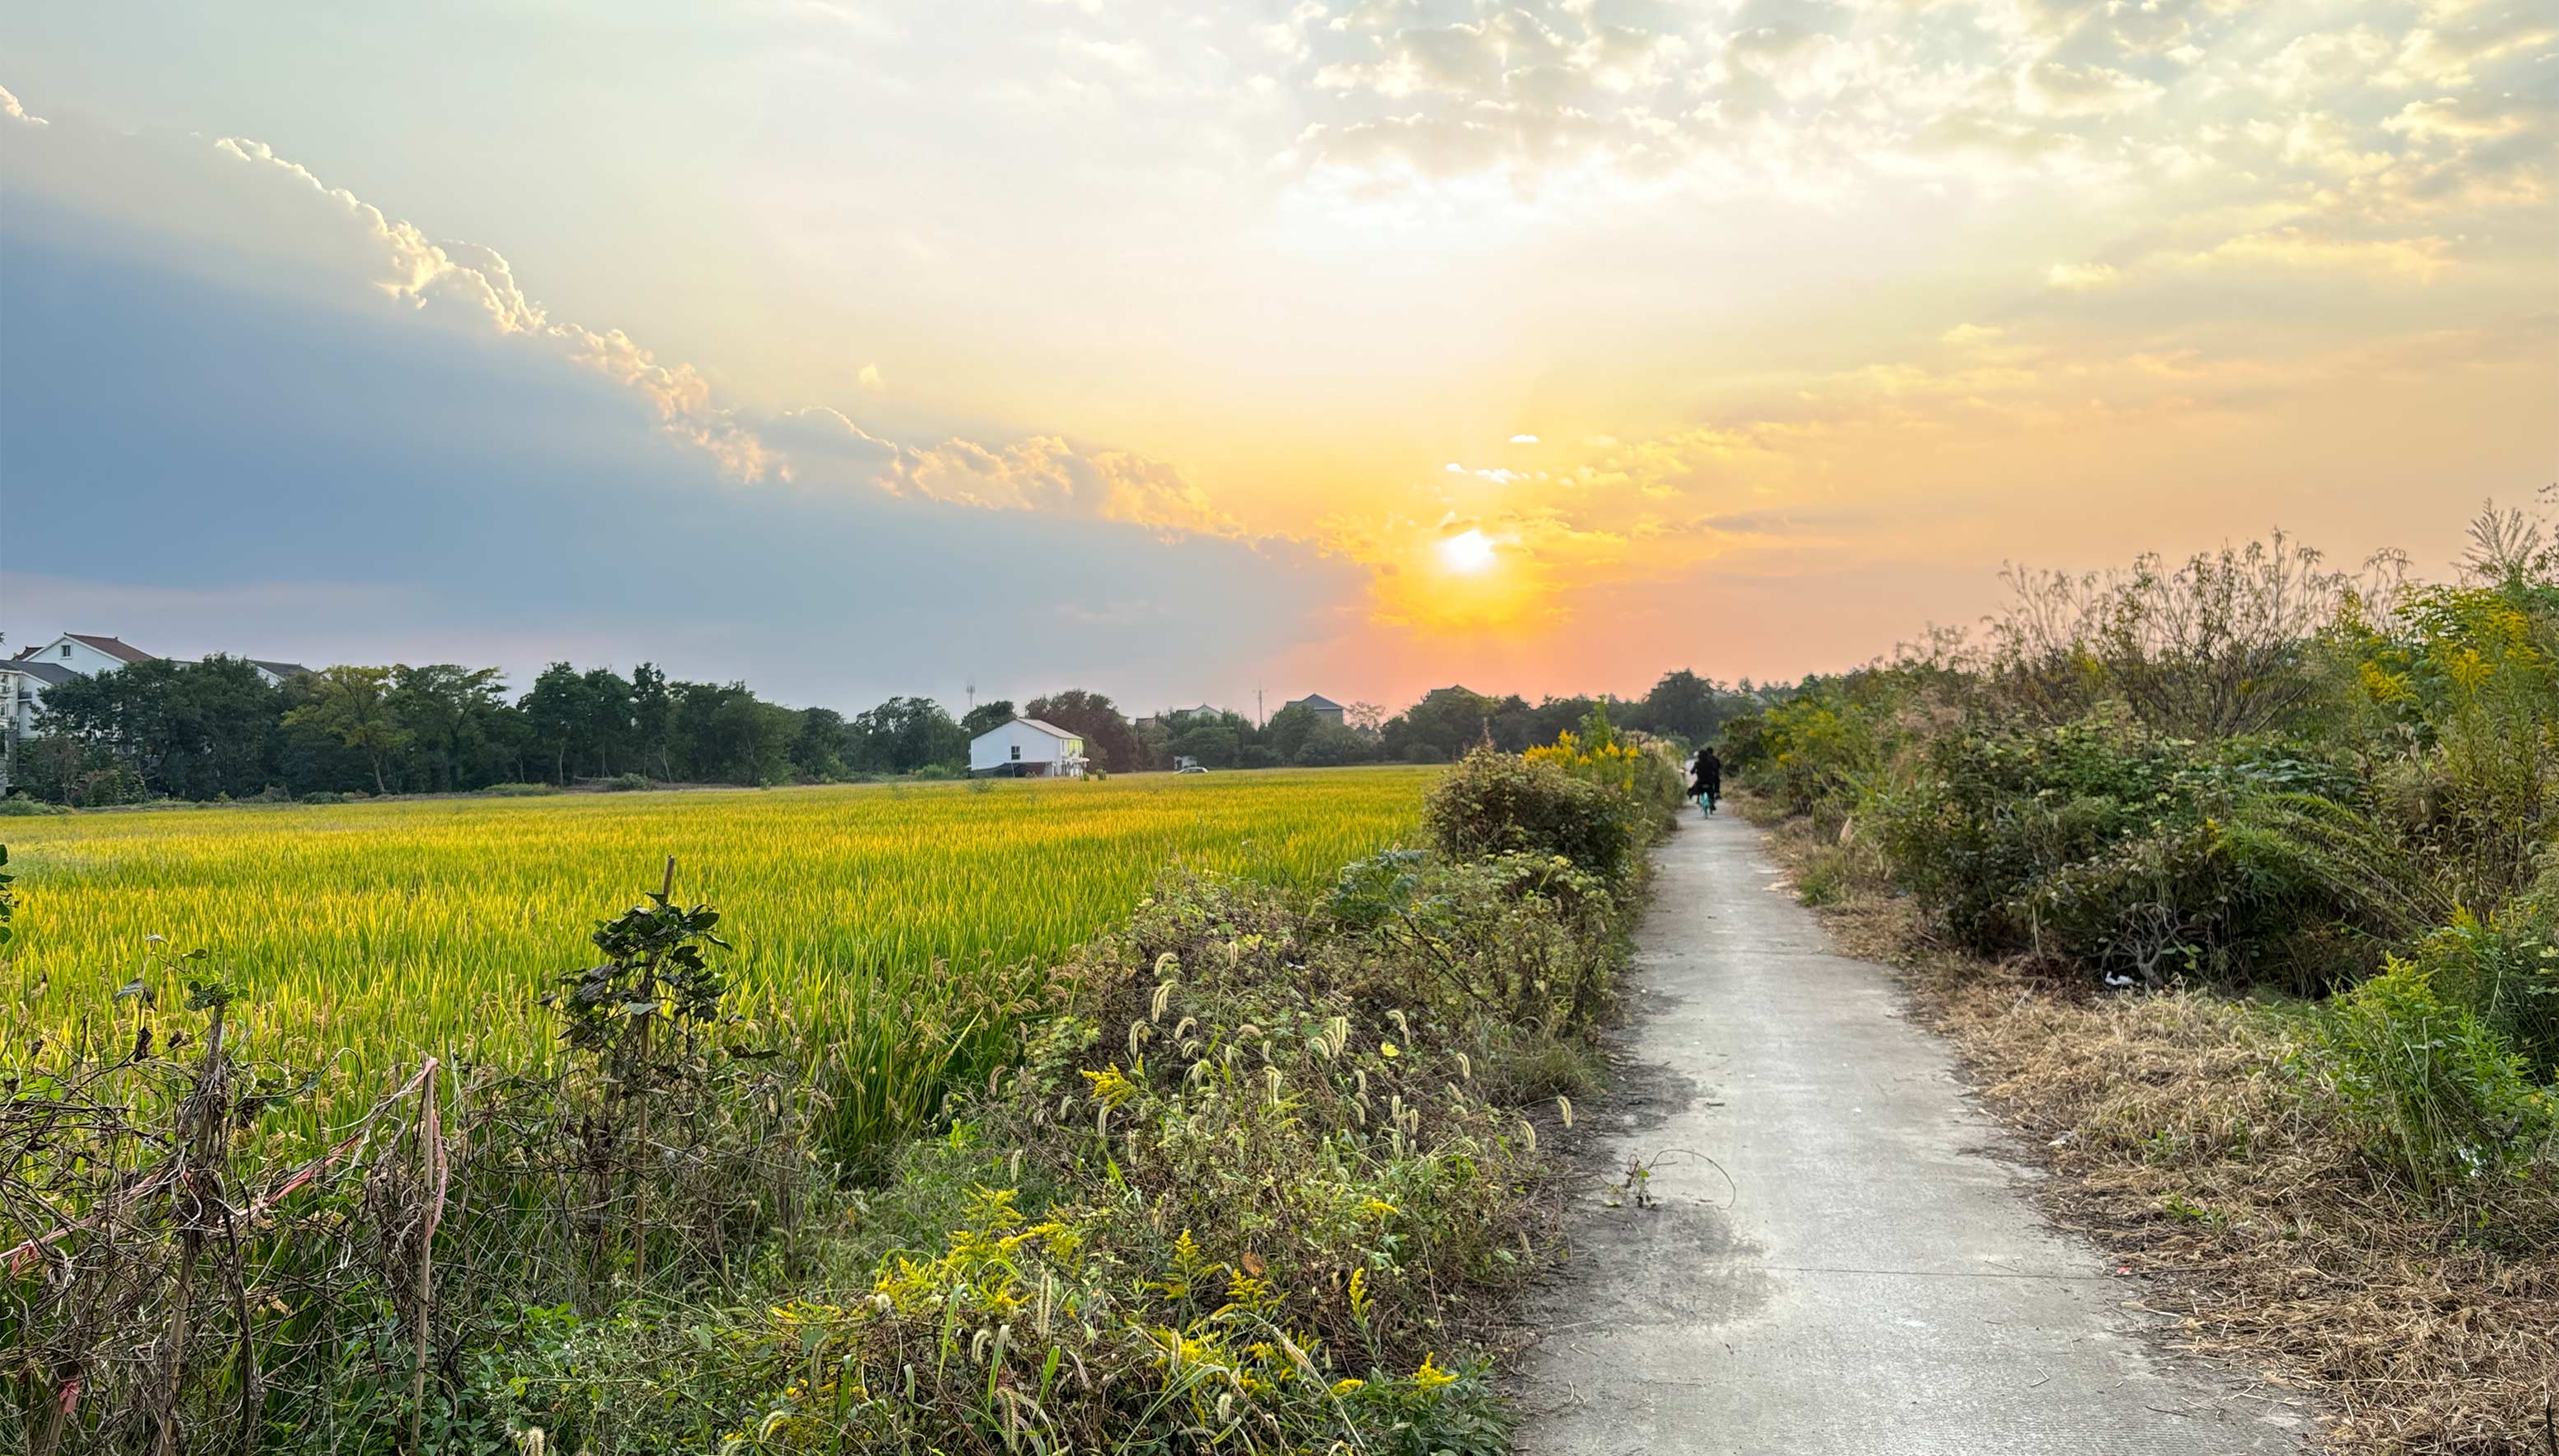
x,y
1258,720
972,691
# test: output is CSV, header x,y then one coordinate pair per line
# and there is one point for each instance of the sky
x,y
1357,347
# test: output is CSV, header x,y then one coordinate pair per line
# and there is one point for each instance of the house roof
x,y
113,647
51,675
279,670
1316,700
1050,729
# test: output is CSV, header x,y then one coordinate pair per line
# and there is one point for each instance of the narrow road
x,y
1838,1260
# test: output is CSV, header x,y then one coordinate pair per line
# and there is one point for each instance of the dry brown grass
x,y
2189,1137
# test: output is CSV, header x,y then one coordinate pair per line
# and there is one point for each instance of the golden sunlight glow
x,y
1466,553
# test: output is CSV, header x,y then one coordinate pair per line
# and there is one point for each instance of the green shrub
x,y
2506,967
1647,775
1498,804
1823,878
2433,1094
518,791
2145,858
324,795
20,807
1231,1183
627,784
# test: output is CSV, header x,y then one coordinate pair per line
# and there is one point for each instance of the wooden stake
x,y
430,1169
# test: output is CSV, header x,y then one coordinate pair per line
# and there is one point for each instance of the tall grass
x,y
895,928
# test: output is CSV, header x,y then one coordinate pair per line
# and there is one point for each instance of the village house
x,y
1319,705
1027,748
25,676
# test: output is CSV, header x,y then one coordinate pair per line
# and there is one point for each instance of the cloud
x,y
2421,260
2081,277
2459,120
2057,89
332,483
10,109
248,197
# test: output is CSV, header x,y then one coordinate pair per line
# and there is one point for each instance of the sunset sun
x,y
1468,553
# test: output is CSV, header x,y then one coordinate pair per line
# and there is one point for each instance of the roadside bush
x,y
1818,751
1647,775
2146,857
19,806
323,795
1237,1189
520,790
1494,802
2463,679
2434,1095
627,783
1528,941
2506,967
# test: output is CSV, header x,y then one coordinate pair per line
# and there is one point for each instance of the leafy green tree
x,y
446,708
1289,729
818,751
608,730
354,705
222,719
728,735
994,713
556,711
1213,745
653,717
1108,739
1441,727
186,730
905,734
1332,745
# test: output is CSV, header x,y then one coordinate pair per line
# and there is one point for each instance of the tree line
x,y
218,729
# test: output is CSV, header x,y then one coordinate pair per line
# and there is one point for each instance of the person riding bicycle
x,y
1706,778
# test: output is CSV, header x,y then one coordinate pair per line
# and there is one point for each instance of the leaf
x,y
136,987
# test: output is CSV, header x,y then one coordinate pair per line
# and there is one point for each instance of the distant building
x,y
25,678
84,654
1319,705
1027,748
22,689
1166,718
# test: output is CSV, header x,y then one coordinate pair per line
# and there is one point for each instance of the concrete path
x,y
1855,1272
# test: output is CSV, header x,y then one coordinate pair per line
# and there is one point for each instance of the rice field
x,y
889,923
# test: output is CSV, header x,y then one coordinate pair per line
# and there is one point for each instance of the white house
x,y
83,654
25,676
22,689
274,673
1027,748
49,665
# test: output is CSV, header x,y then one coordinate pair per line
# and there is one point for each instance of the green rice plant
x,y
897,931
